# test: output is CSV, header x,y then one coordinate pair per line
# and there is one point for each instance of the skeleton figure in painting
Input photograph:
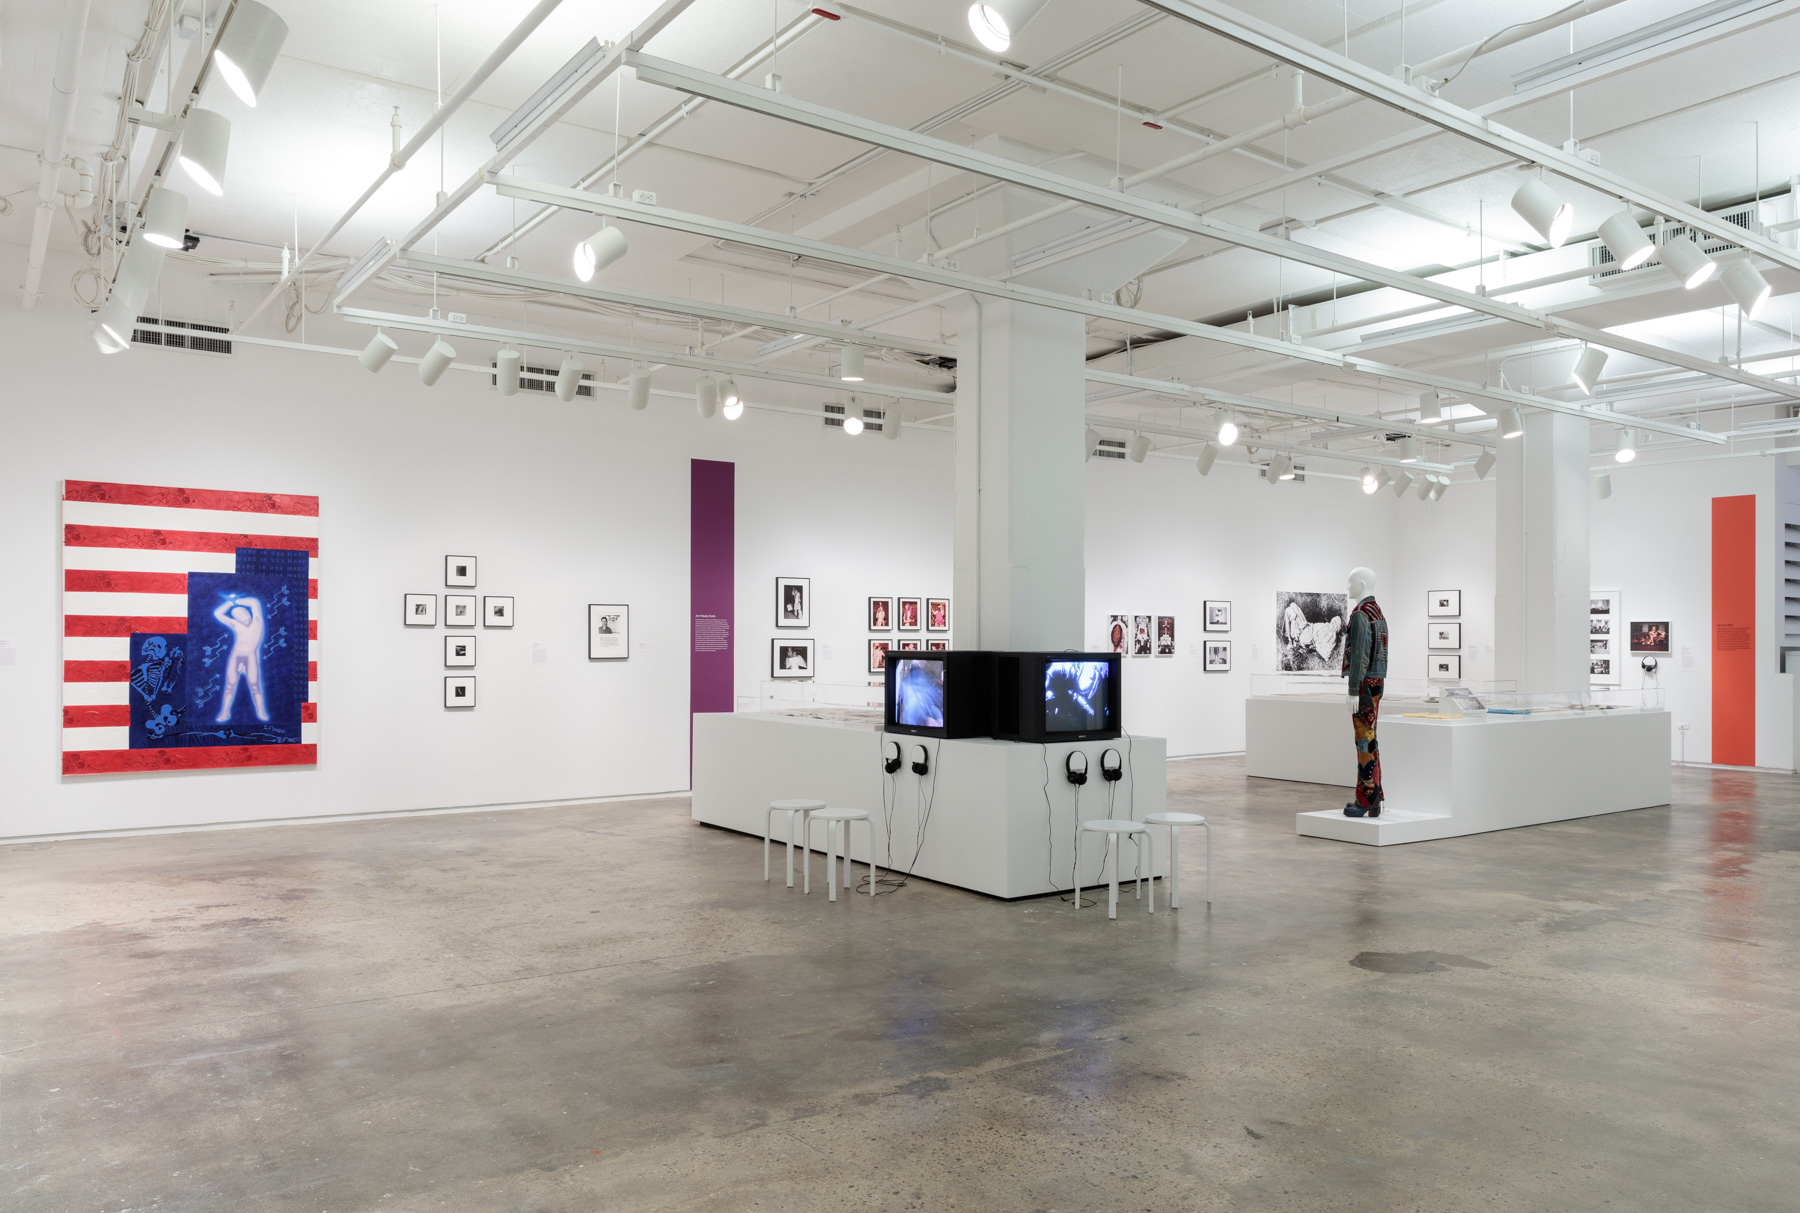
x,y
244,616
159,670
1365,666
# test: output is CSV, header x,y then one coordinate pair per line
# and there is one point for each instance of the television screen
x,y
918,692
1077,696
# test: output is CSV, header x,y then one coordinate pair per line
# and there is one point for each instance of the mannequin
x,y
1365,665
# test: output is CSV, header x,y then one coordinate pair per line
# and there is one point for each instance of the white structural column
x,y
1020,478
1541,578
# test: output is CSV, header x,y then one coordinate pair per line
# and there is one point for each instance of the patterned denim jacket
x,y
1366,653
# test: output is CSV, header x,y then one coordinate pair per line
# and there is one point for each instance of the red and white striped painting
x,y
128,552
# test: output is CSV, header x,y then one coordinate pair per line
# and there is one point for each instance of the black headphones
x,y
1112,767
1077,767
890,761
921,760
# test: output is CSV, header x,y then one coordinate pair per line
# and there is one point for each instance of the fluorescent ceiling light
x,y
997,22
551,93
1626,241
1588,367
248,48
205,144
1548,215
165,217
1749,289
1687,262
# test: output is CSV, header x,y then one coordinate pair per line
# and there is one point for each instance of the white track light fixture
x,y
1228,430
375,355
1093,441
506,372
436,361
1749,289
1548,215
205,146
248,49
1208,455
114,323
997,22
1139,448
1485,464
731,401
1688,262
1402,482
1627,448
1426,485
1431,409
1369,484
1588,367
1511,426
1440,488
1626,241
1280,468
1383,478
1409,449
598,251
706,396
1603,485
853,424
640,387
165,218
568,378
890,422
852,370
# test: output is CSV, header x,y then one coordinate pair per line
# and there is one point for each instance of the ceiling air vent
x,y
1110,448
1605,268
184,337
834,416
543,379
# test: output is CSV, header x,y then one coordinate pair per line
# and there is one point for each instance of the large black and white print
x,y
1309,631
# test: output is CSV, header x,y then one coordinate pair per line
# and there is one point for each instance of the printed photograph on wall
x,y
909,613
1310,630
1607,638
1651,637
1218,657
793,602
459,610
609,631
188,633
1443,636
1165,635
1444,667
459,692
1217,615
459,652
497,612
459,572
881,614
420,611
937,646
937,614
908,646
1443,602
1118,634
1140,636
790,657
878,654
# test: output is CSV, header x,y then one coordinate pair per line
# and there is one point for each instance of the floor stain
x,y
1413,962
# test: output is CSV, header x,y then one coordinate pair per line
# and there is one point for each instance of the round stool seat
x,y
840,815
1110,825
1174,819
1174,822
794,806
837,829
1115,830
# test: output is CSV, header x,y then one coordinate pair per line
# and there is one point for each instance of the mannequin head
x,y
1362,584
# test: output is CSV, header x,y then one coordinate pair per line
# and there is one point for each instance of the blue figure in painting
x,y
158,694
158,670
244,616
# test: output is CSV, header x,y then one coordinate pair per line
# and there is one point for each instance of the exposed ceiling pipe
x,y
1434,68
63,86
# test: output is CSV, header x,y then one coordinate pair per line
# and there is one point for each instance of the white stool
x,y
791,808
1175,821
1113,830
836,820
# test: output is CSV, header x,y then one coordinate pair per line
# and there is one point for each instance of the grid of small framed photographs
x,y
909,624
460,615
1443,636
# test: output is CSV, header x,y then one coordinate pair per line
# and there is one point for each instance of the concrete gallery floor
x,y
604,1007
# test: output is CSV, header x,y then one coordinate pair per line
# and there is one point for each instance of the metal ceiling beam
x,y
475,271
1101,420
718,229
549,341
1170,387
1277,43
777,105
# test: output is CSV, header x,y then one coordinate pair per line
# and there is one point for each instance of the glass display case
x,y
856,702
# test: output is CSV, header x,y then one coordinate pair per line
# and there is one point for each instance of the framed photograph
x,y
1218,615
791,657
1608,634
1140,635
1441,603
1118,634
907,646
496,612
459,691
1218,656
609,632
1165,635
937,614
459,652
1310,631
793,602
1444,667
1443,635
909,613
937,646
1650,637
878,651
420,611
881,614
459,610
459,572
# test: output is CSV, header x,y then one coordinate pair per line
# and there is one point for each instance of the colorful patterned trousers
x,y
1368,751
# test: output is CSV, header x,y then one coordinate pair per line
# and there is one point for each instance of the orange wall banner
x,y
1734,630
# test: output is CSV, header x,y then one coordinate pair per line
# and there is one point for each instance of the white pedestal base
x,y
1304,738
986,824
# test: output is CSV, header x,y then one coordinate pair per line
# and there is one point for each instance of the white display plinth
x,y
1446,778
1305,738
986,823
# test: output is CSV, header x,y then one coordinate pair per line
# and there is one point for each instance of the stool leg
x,y
790,845
1208,863
806,850
831,829
1150,842
871,833
768,816
1112,875
1078,834
1174,868
848,840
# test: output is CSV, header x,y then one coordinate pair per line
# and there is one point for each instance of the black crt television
x,y
940,694
1059,697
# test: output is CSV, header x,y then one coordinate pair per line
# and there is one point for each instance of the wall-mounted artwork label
x,y
1217,615
459,572
1650,637
609,632
1165,635
1118,634
793,602
188,635
420,611
1440,603
790,657
1309,632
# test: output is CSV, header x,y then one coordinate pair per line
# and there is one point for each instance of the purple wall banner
x,y
712,589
